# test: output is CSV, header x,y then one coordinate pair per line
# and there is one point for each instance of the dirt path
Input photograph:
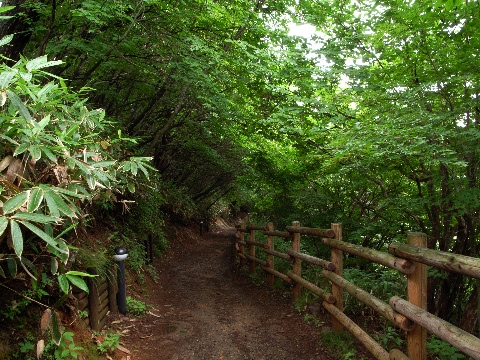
x,y
203,309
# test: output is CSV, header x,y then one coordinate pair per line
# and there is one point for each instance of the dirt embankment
x,y
204,309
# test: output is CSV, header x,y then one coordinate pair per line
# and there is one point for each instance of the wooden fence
x,y
100,299
410,259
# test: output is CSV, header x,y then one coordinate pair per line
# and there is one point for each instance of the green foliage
x,y
443,350
146,216
50,128
136,307
383,284
57,158
340,343
109,344
82,314
389,337
371,122
65,350
26,349
14,309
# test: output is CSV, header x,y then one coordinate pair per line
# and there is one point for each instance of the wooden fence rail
x,y
410,259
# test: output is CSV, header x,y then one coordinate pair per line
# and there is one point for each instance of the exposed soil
x,y
204,308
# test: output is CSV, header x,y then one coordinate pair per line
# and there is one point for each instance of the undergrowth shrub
x,y
341,344
57,158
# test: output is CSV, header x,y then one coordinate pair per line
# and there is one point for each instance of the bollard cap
x,y
121,254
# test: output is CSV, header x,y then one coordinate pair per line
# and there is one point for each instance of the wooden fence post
x,y
270,257
337,291
251,251
241,247
417,295
297,263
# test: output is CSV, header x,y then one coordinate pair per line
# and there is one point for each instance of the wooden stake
x,y
417,295
337,291
270,257
297,263
251,251
241,239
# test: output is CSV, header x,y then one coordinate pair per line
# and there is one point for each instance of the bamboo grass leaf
x,y
35,152
18,103
12,266
16,202
17,237
77,281
3,224
35,199
34,217
51,204
44,236
63,282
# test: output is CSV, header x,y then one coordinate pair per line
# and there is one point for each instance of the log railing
x,y
410,259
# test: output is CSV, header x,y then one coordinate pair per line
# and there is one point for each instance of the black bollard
x,y
120,256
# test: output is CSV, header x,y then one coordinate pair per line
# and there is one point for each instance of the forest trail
x,y
204,309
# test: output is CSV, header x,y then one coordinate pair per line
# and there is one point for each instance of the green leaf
x,y
144,170
53,265
12,266
6,8
77,281
43,235
49,153
63,282
60,301
44,122
36,197
69,193
48,229
5,78
34,217
35,152
80,273
63,255
9,139
6,39
21,149
60,204
103,164
26,76
3,224
18,103
17,237
56,330
134,168
51,204
16,202
131,187
40,63
127,165
90,181
44,92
